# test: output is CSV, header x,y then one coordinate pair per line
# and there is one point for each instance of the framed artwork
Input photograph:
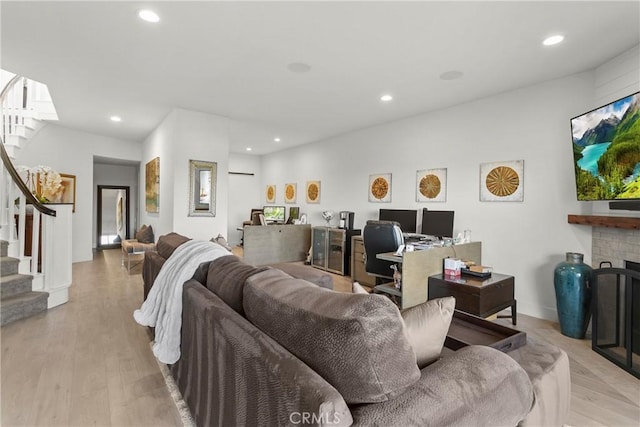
x,y
69,189
270,195
380,188
313,191
431,185
502,181
202,188
290,193
152,186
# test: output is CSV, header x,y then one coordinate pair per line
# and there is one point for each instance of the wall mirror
x,y
202,191
113,216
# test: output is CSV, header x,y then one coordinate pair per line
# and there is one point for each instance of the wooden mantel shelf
x,y
629,223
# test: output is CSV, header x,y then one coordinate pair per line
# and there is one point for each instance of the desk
x,y
477,296
417,266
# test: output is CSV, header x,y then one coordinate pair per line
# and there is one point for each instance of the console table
x,y
481,297
274,244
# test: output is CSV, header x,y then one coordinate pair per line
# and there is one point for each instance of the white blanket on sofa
x,y
163,306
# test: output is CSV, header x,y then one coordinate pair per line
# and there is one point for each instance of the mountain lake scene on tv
x,y
606,150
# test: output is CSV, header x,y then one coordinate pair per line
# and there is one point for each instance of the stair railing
x,y
51,230
12,99
24,100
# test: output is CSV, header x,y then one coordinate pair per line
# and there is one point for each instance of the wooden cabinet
x,y
358,273
332,249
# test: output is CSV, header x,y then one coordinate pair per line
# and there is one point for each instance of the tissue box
x,y
452,268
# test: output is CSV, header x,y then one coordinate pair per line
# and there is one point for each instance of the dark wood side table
x,y
481,297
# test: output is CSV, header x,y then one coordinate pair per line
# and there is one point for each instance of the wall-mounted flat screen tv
x,y
606,151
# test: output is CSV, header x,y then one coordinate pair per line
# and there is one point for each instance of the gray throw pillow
x,y
426,326
145,234
355,342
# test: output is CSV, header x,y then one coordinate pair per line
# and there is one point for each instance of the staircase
x,y
17,300
29,284
25,107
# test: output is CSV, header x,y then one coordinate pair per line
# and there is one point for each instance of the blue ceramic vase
x,y
572,281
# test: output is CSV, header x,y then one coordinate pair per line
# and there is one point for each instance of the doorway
x,y
113,216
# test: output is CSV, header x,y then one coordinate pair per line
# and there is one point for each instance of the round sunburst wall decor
x,y
290,193
313,192
502,181
380,188
431,185
271,194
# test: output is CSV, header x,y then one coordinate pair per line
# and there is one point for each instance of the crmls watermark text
x,y
302,418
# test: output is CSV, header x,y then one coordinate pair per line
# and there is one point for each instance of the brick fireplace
x,y
616,245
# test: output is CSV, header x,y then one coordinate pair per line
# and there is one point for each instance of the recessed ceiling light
x,y
299,67
550,41
276,139
451,75
249,148
386,98
115,118
148,15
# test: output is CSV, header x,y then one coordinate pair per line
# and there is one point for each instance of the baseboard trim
x,y
57,296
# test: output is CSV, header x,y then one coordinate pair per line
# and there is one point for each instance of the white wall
x,y
245,192
525,239
120,175
159,144
182,136
71,151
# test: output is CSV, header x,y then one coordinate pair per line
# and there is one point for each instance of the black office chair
x,y
379,237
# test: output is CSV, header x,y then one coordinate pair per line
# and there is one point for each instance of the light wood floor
x,y
88,363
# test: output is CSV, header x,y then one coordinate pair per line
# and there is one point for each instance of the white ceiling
x,y
231,58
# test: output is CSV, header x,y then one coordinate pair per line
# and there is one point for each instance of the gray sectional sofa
x,y
260,347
